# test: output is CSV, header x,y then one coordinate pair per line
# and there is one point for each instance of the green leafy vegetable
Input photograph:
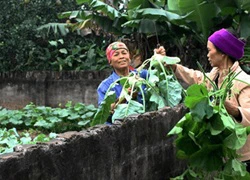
x,y
207,136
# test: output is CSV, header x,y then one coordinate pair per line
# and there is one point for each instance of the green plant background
x,y
72,35
24,48
181,26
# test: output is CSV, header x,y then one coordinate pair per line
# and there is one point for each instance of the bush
x,y
24,48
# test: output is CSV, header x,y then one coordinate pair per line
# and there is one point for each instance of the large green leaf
x,y
207,136
153,78
195,93
75,14
200,12
237,139
105,8
147,26
158,3
209,157
171,60
227,121
171,91
138,3
103,111
158,14
186,145
83,1
202,110
123,110
198,101
236,169
216,124
106,24
55,27
243,4
157,99
245,26
132,23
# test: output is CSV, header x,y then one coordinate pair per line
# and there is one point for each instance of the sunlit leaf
x,y
171,60
124,110
63,51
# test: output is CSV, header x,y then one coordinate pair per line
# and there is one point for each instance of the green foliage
x,y
164,82
17,126
47,119
79,56
204,16
18,35
198,12
207,136
24,41
11,138
34,124
181,26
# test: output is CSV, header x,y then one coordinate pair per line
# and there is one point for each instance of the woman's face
x,y
120,59
215,57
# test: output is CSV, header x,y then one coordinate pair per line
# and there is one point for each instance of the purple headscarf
x,y
228,43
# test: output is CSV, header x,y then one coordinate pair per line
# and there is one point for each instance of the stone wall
x,y
49,88
138,149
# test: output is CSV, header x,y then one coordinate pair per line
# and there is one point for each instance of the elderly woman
x,y
118,57
224,51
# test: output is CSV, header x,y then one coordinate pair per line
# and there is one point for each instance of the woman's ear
x,y
110,62
223,55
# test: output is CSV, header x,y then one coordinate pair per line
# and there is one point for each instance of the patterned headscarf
x,y
113,47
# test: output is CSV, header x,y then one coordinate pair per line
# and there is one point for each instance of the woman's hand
x,y
233,110
112,108
161,50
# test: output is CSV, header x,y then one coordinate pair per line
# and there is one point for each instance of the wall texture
x,y
138,149
49,88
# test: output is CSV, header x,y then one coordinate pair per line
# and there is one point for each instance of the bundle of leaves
x,y
158,90
207,137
